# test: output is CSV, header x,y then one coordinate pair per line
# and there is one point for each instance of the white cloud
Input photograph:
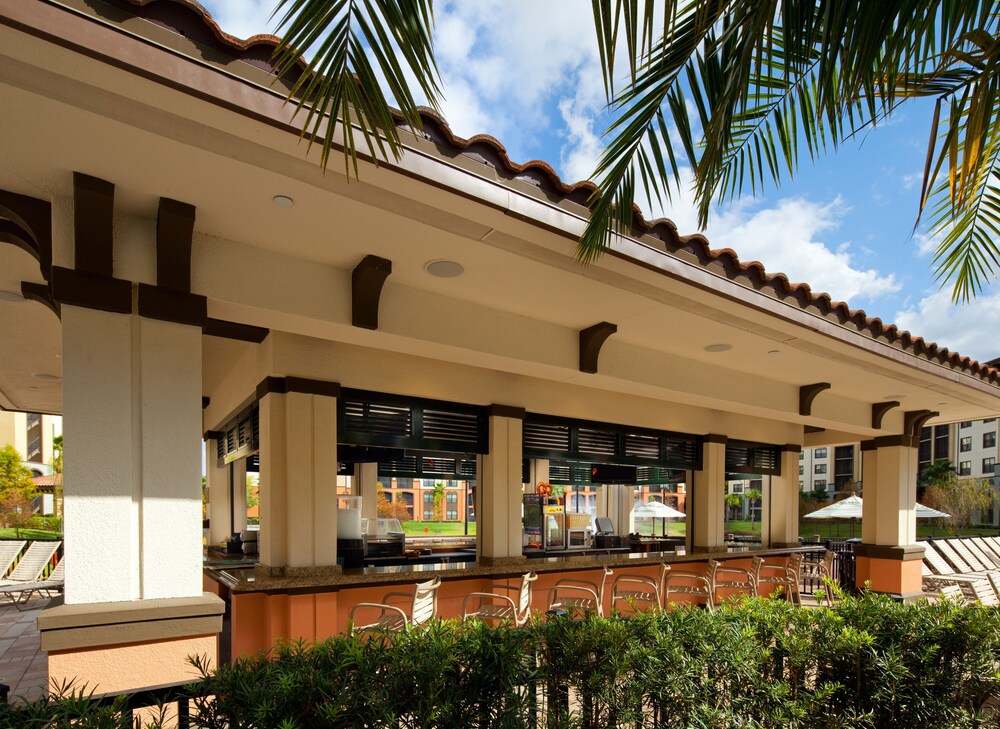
x,y
965,328
243,18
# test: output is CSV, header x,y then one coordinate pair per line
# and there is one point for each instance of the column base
x,y
125,646
894,570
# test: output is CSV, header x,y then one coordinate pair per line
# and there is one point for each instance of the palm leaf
x,y
346,45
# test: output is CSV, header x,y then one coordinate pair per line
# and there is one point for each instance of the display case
x,y
386,538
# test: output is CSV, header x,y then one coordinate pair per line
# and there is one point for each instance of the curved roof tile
x,y
490,151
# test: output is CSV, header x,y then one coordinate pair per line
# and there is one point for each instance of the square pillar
x,y
498,496
298,477
706,518
366,486
889,558
220,502
780,505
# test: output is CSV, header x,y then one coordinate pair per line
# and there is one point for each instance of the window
x,y
802,455
819,468
428,514
452,515
965,444
819,453
988,464
802,470
451,497
966,424
819,483
965,468
990,420
428,497
990,439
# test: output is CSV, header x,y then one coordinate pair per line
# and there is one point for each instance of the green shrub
x,y
867,662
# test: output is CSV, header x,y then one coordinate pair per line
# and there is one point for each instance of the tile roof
x,y
192,20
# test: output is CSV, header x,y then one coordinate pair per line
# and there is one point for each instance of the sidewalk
x,y
23,666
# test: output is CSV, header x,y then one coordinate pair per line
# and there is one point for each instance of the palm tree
x,y
747,88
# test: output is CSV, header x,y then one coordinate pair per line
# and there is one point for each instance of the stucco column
x,y
706,520
298,477
780,504
498,498
538,471
132,403
220,504
889,558
366,486
619,503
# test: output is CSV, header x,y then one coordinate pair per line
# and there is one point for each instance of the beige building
x,y
31,435
206,292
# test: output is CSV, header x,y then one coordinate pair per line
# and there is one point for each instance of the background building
x,y
31,435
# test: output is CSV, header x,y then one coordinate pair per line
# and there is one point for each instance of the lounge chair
x,y
393,619
9,550
579,596
19,594
32,565
493,606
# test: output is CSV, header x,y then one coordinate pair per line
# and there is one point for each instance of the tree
x,y
439,501
17,491
747,88
389,509
752,497
731,502
961,498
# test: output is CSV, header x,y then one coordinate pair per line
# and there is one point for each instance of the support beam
x,y
26,222
234,330
366,290
93,222
591,341
879,409
808,393
174,232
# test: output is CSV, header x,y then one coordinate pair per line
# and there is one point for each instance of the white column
x,y
498,496
780,505
890,495
366,486
538,471
708,497
298,480
240,495
132,402
220,505
620,503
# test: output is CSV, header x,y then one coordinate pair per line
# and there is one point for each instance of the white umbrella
x,y
656,510
850,508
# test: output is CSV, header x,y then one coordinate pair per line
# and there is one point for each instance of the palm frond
x,y
346,45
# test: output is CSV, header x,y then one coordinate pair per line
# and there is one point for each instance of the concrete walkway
x,y
23,665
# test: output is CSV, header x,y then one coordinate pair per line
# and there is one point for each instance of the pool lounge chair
x,y
19,594
32,565
9,550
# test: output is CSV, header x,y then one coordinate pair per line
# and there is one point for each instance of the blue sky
x,y
531,78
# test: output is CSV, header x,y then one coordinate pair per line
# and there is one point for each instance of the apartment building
x,y
31,435
830,468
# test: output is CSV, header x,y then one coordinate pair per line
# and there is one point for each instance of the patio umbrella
x,y
656,510
850,508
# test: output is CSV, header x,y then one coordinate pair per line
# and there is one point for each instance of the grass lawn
x,y
437,528
841,529
29,534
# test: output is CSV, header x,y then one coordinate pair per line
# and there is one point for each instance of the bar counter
x,y
243,578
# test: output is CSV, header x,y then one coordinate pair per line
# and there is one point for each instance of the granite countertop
x,y
322,579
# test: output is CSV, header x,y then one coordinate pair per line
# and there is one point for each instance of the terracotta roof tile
x,y
490,151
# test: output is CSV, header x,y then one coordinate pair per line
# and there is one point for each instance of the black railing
x,y
843,565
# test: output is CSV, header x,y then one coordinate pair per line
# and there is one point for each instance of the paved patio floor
x,y
23,665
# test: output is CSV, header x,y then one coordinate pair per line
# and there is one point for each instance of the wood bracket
x,y
26,222
591,341
914,421
366,290
808,393
879,409
174,232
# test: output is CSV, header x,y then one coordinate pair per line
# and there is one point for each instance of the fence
x,y
843,565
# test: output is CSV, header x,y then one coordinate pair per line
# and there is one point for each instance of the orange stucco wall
x,y
259,620
123,667
889,575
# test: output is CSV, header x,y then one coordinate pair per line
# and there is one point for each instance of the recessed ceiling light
x,y
444,269
942,403
13,297
32,387
48,377
721,347
283,201
774,351
893,397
